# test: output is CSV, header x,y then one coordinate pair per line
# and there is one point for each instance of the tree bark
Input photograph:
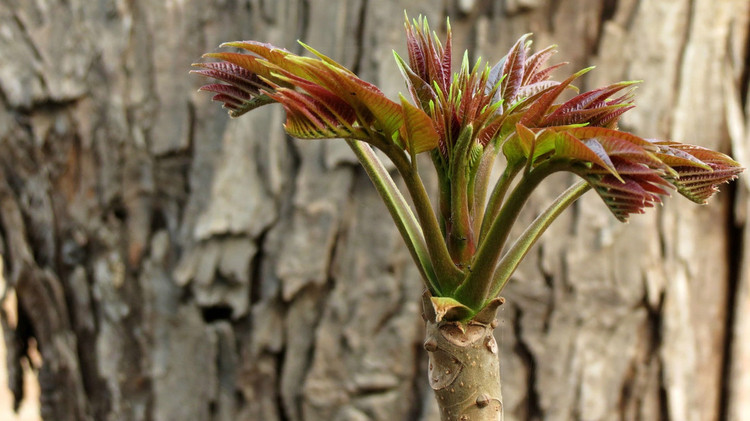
x,y
173,264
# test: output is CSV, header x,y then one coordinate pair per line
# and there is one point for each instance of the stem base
x,y
464,367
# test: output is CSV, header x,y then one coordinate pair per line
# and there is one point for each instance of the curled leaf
x,y
698,183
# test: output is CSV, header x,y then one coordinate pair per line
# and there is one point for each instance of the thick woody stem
x,y
464,367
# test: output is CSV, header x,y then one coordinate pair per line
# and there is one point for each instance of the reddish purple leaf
x,y
535,62
533,116
513,70
545,74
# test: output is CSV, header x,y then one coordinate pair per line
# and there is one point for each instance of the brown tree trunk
x,y
172,264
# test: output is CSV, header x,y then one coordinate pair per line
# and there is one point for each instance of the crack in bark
x,y
279,398
575,410
606,14
684,41
549,281
631,18
661,232
419,387
735,246
551,13
533,408
256,273
744,84
304,21
626,391
359,36
654,321
663,395
309,357
325,294
32,45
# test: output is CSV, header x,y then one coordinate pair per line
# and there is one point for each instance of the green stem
x,y
460,236
400,211
448,275
444,191
481,182
521,247
464,370
496,199
444,202
475,289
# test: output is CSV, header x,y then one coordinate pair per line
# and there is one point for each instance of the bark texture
x,y
172,264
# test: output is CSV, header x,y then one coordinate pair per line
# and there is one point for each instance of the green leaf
x,y
675,157
310,118
528,145
418,130
545,143
513,151
526,139
569,146
268,51
324,57
371,105
588,132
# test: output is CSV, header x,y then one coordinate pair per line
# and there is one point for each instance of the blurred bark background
x,y
173,264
